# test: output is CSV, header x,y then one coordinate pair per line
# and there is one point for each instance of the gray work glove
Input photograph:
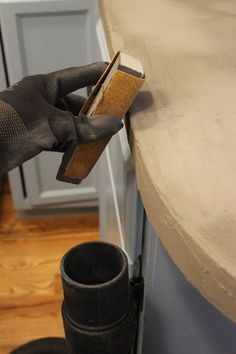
x,y
37,114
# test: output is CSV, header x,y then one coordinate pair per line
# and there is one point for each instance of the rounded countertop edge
x,y
215,284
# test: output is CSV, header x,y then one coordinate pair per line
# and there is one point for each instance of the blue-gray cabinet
x,y
3,83
121,214
39,37
176,318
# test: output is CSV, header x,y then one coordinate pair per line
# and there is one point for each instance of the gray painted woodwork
x,y
3,84
39,37
177,319
109,216
2,87
120,214
120,209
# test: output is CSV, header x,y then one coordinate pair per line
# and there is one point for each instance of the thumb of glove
x,y
97,127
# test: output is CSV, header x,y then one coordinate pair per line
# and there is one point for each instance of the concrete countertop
x,y
184,131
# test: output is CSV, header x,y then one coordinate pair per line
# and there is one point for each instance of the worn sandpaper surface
x,y
116,100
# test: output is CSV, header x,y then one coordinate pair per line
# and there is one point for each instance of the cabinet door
x,y
39,37
3,83
110,224
121,213
177,319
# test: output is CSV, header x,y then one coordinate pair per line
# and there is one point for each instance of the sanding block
x,y
112,95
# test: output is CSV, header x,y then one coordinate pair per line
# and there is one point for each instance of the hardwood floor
x,y
30,286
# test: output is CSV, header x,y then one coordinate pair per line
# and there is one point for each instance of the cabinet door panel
x,y
177,319
40,37
110,227
3,83
130,209
43,188
44,35
121,213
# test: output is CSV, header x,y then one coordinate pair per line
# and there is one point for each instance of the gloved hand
x,y
37,114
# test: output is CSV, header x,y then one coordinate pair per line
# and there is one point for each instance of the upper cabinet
x,y
39,37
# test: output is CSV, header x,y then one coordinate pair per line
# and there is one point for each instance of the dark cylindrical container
x,y
98,311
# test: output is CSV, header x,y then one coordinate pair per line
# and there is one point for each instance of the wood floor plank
x,y
30,286
14,225
18,326
29,269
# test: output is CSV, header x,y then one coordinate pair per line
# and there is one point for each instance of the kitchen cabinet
x,y
177,319
39,37
120,212
2,84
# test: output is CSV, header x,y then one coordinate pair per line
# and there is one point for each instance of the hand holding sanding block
x,y
112,95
